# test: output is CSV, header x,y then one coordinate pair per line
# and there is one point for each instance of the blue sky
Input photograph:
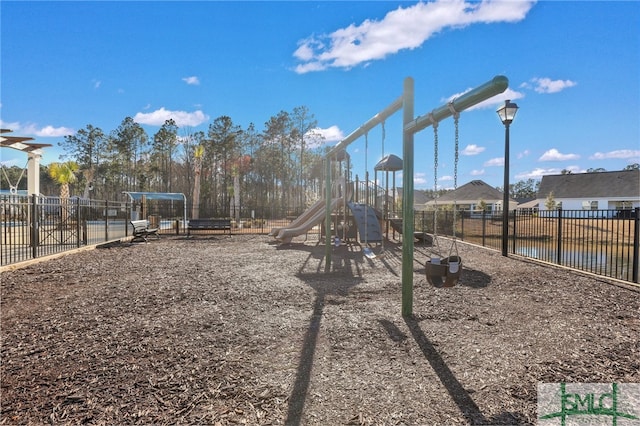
x,y
573,69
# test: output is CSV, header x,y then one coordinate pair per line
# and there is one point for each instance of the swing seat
x,y
444,272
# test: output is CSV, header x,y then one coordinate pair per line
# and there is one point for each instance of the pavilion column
x,y
33,173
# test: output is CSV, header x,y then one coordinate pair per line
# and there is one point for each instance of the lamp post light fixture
x,y
507,113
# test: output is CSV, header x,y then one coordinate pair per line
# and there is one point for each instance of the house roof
x,y
591,185
470,193
531,204
419,196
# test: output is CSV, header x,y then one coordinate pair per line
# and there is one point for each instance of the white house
x,y
591,191
471,196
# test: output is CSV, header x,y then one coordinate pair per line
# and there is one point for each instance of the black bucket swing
x,y
444,271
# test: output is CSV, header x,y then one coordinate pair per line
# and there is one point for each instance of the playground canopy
x,y
164,196
390,163
137,196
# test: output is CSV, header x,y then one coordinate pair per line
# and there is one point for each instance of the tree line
x,y
219,170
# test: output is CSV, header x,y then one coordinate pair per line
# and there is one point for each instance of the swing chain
x,y
435,155
456,117
435,244
366,178
455,160
384,134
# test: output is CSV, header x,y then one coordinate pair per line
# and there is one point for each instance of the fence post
x,y
636,243
559,242
35,231
106,220
128,212
77,220
484,227
357,192
513,240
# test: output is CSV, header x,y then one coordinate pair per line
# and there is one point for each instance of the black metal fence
x,y
35,226
603,242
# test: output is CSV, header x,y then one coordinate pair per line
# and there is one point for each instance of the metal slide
x,y
286,234
310,212
365,214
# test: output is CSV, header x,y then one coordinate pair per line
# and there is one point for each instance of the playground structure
x,y
411,125
341,194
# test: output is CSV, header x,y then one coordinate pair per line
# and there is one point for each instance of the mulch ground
x,y
224,330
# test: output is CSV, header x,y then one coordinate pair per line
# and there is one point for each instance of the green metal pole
x,y
407,200
327,218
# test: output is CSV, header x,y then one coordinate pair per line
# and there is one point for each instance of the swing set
x,y
442,271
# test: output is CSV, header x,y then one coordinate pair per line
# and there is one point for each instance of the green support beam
x,y
407,200
488,90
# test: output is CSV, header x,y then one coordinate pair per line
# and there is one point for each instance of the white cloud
x,y
494,162
472,150
14,125
477,172
192,81
539,172
618,154
31,129
330,134
523,154
52,132
96,83
546,85
182,118
419,180
403,28
555,155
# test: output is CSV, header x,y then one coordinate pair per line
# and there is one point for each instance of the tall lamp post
x,y
507,113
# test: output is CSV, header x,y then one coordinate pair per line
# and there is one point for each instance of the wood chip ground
x,y
238,330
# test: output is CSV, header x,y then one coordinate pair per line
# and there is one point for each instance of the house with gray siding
x,y
471,196
591,191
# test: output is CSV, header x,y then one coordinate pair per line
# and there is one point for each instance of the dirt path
x,y
228,330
